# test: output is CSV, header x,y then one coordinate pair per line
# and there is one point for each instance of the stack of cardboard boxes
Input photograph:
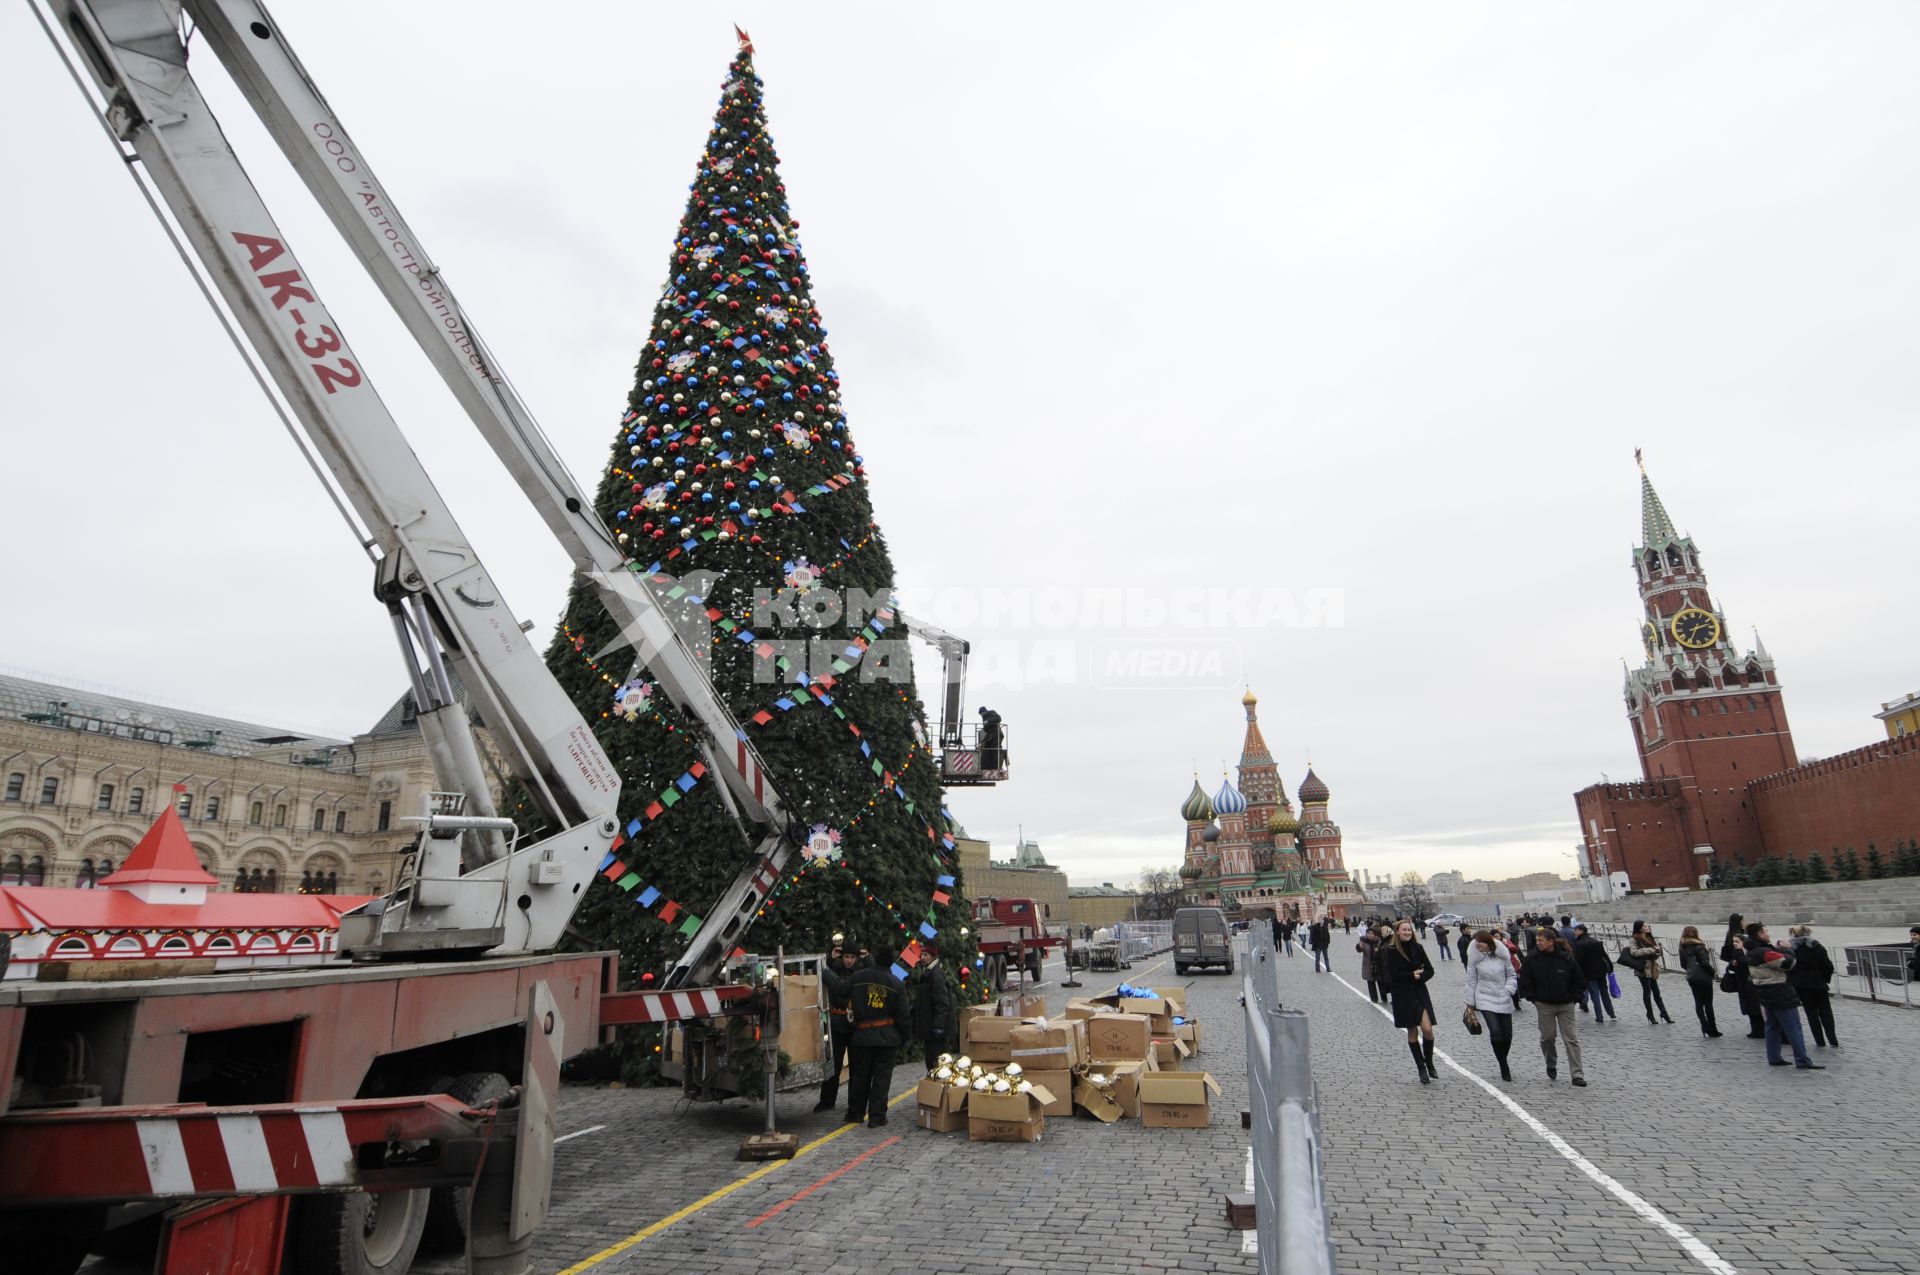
x,y
1113,1057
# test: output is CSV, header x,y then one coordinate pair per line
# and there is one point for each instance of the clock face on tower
x,y
1695,629
1649,636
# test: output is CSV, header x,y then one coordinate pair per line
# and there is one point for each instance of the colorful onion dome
x,y
1312,789
1228,800
1190,872
1197,807
1283,821
1249,698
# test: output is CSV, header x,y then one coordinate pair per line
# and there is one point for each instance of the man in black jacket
x,y
839,1001
1768,965
877,1011
1321,938
1552,980
934,997
1595,965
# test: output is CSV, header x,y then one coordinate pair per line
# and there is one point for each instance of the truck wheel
x,y
363,1233
447,1213
1180,969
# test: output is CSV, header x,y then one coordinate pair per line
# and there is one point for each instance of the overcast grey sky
x,y
1362,308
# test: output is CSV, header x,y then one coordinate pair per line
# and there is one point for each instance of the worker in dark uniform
x,y
876,1010
990,736
839,999
934,997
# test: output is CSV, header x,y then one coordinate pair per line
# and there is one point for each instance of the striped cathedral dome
x,y
1312,789
1197,808
1228,800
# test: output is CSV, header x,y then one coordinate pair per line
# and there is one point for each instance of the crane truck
x,y
325,1119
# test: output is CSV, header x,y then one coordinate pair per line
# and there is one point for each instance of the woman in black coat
x,y
1408,972
1734,952
1812,977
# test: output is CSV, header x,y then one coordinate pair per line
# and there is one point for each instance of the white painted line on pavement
x,y
578,1133
1695,1247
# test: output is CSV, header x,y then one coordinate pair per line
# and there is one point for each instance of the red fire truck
x,y
1013,936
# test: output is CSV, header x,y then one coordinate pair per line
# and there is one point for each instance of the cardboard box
x,y
990,1040
1173,996
1023,1006
1057,1083
1150,1007
1079,1007
1055,1047
942,1107
968,1013
1189,1033
1176,1099
1098,1102
1126,1084
1011,1117
1170,1052
800,1033
1118,1037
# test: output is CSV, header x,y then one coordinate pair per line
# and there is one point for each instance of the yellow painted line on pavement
x,y
713,1197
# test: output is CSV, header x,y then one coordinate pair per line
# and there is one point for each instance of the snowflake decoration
x,y
802,575
655,497
632,699
797,437
823,844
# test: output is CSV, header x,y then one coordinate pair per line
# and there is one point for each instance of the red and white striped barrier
x,y
141,1153
622,1008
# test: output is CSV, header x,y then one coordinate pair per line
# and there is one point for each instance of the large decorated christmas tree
x,y
739,496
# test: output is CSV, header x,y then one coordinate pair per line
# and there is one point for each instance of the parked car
x,y
1201,937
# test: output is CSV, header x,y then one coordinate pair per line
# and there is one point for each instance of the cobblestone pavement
x,y
1772,1169
1768,1168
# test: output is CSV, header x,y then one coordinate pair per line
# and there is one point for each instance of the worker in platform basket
x,y
840,959
876,1010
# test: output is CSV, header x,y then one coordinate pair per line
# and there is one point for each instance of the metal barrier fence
x,y
1143,938
1876,970
1289,1198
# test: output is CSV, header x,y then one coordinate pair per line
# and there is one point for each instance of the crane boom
x,y
445,607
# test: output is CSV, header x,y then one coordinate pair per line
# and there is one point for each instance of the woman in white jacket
x,y
1491,982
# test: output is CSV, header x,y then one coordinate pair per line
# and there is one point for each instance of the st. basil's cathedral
x,y
1247,851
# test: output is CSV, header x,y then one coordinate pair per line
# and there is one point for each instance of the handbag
x,y
1470,1021
1730,981
1613,985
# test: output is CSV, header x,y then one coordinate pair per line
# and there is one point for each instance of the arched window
x,y
1653,563
184,804
136,801
83,879
255,883
36,871
126,945
176,944
319,819
103,797
213,810
255,813
50,791
12,870
279,816
261,943
273,881
16,785
1674,559
304,943
105,869
339,821
240,885
71,947
221,943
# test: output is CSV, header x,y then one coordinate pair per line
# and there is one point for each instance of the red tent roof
x,y
164,854
65,909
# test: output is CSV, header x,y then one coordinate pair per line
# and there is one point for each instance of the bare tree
x,y
1160,892
1413,899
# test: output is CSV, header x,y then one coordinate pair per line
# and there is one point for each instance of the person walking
x,y
1734,953
1591,955
1552,980
1812,980
1465,941
1648,955
1440,941
1696,962
1408,972
1768,967
1286,935
1321,938
1491,983
1566,930
1369,949
876,1012
934,999
839,998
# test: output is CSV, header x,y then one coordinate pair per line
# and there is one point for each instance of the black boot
x,y
1500,1056
1419,1064
1426,1055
